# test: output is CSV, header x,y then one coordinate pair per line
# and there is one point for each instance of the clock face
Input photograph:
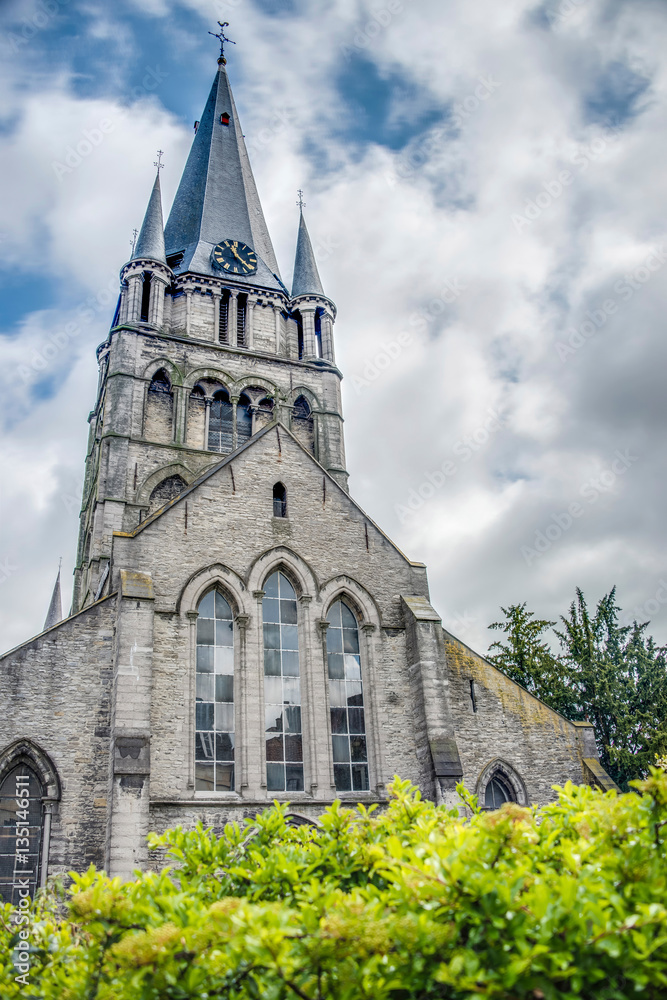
x,y
234,257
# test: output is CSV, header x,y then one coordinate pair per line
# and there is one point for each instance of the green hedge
x,y
559,902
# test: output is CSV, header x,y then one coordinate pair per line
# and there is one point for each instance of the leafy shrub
x,y
565,901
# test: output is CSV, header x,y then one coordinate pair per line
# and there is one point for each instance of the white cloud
x,y
395,236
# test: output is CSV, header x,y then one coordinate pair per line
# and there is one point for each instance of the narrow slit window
x,y
214,707
279,500
282,690
243,419
299,333
346,701
145,297
318,332
224,318
241,320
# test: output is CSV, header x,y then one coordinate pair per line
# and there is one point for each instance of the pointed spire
x,y
306,280
55,612
151,238
217,198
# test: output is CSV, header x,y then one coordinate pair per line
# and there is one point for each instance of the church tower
x,y
207,346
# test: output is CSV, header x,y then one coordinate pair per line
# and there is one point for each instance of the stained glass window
x,y
214,737
346,701
282,690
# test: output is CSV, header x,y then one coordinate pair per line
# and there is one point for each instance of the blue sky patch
x,y
382,108
615,96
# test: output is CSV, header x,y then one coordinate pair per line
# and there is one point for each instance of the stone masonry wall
x,y
509,723
55,690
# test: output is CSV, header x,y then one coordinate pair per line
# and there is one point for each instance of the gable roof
x,y
279,428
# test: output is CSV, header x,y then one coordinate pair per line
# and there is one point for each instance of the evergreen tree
x,y
610,674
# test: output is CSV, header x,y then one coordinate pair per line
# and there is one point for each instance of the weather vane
x,y
301,203
133,241
158,163
222,37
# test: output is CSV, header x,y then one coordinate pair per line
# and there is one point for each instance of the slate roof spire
x,y
306,278
55,612
151,237
217,198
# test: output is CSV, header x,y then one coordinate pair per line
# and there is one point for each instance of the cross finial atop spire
x,y
158,163
301,203
222,38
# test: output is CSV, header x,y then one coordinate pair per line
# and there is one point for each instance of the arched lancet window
x,y
220,425
214,722
498,790
20,831
279,500
145,296
346,699
303,425
165,491
299,333
319,312
196,418
158,421
160,382
282,690
243,419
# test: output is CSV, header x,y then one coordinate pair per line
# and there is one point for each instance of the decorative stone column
x,y
241,711
323,626
371,702
249,321
307,699
188,310
327,339
129,777
207,420
309,339
192,617
261,721
235,431
276,312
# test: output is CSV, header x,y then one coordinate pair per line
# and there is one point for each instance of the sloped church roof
x,y
217,198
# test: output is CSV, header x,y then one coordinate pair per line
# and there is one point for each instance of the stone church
x,y
241,630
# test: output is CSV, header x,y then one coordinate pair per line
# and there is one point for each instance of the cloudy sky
x,y
485,184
